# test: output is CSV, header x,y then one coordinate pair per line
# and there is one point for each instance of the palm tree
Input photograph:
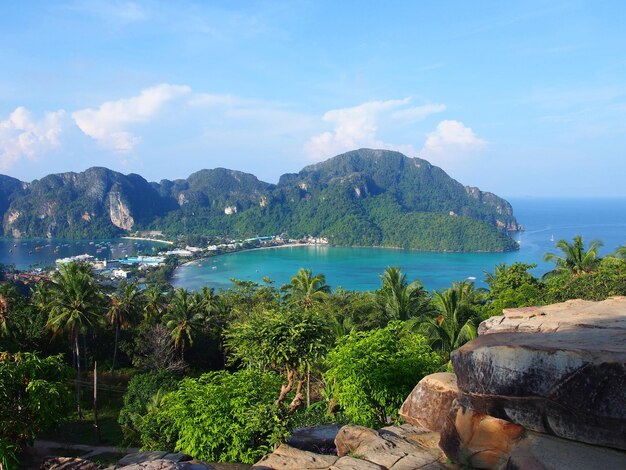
x,y
446,333
620,252
75,307
399,299
154,304
574,257
183,319
305,288
124,309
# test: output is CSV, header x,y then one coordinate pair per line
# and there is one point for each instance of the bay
x,y
34,253
545,220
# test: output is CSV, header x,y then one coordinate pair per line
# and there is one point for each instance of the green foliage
x,y
454,325
400,300
34,396
218,417
574,257
511,287
371,373
142,388
608,279
286,338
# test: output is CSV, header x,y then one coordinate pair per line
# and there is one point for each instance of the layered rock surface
x,y
557,370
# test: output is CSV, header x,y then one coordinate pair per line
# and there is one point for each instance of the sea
x,y
39,253
545,221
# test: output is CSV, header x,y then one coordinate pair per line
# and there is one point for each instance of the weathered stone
x,y
430,401
481,441
475,439
539,451
398,447
167,464
610,314
139,457
68,463
290,458
568,380
350,463
315,438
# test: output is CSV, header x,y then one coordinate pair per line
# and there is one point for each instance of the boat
x,y
552,238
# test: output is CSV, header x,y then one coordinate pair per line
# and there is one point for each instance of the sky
x,y
518,98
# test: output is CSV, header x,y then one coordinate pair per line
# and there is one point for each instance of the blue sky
x,y
518,98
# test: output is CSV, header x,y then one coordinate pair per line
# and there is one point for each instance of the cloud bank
x,y
108,124
21,136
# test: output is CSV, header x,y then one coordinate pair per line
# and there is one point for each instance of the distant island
x,y
361,198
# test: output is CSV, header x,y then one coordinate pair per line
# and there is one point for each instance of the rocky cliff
x,y
364,197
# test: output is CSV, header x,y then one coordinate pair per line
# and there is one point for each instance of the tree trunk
x,y
299,398
308,386
286,388
77,353
117,334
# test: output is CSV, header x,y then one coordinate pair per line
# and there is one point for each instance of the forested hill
x,y
363,197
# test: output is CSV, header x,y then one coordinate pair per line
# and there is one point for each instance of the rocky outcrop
x,y
119,212
68,463
314,438
403,447
480,441
429,403
562,372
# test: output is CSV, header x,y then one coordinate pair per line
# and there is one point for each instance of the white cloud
x,y
108,124
353,128
418,113
451,139
358,126
23,137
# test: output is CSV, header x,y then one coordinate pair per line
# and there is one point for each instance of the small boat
x,y
552,238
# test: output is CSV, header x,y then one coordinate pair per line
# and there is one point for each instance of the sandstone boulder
x,y
560,373
478,440
609,314
429,403
393,447
289,458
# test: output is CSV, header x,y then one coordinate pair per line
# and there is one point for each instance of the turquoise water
x,y
25,254
360,268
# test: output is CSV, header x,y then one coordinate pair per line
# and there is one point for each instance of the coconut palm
x,y
184,319
447,332
154,304
305,288
574,257
399,299
75,307
124,309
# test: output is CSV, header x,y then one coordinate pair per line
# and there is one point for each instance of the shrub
x,y
140,394
371,373
34,396
220,416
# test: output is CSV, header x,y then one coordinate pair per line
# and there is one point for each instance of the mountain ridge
x,y
362,197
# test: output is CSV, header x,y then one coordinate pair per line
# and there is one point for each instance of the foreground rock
x,y
480,441
428,405
315,438
393,448
68,463
564,375
157,460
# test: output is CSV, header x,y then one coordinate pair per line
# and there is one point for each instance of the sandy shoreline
x,y
288,245
148,240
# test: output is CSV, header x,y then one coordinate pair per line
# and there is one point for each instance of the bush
x,y
140,394
219,416
34,396
371,373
